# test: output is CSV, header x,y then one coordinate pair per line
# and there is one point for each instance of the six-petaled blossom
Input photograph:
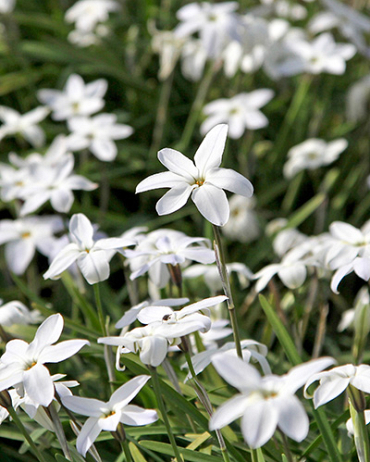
x,y
92,257
264,403
202,179
23,363
107,415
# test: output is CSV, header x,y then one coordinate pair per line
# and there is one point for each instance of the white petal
x,y
153,350
127,392
39,385
209,153
229,411
212,204
259,423
174,199
158,181
94,266
293,276
49,331
82,231
18,254
237,373
62,351
135,415
63,260
85,406
89,432
329,389
178,164
293,420
34,201
62,200
230,180
104,150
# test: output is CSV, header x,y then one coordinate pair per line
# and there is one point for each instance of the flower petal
x,y
226,178
178,163
174,199
135,415
89,432
212,204
127,392
259,423
39,385
209,153
94,266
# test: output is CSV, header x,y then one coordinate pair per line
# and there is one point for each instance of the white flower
x,y
92,257
97,134
334,382
251,350
168,46
54,183
164,327
243,225
107,415
193,59
6,6
86,14
291,270
352,23
24,363
215,23
24,125
264,403
131,315
16,312
23,236
76,98
323,54
240,112
349,423
203,180
167,247
311,154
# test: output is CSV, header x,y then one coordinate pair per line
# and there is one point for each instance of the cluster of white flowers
x,y
89,18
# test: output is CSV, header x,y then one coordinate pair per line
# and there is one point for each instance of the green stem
x,y
59,431
162,409
197,106
203,397
108,352
24,432
221,265
356,407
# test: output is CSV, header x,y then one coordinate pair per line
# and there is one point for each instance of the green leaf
x,y
305,211
136,454
187,454
281,332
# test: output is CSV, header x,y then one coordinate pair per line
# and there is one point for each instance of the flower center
x,y
30,366
199,181
25,235
110,414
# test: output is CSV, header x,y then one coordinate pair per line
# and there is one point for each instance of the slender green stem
x,y
158,393
59,431
25,433
356,407
120,436
287,450
221,264
203,397
197,105
126,450
108,352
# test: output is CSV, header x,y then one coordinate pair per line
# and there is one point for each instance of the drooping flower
x,y
264,403
332,383
23,363
86,14
203,180
16,312
107,415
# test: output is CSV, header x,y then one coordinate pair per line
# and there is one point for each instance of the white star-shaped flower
x,y
202,179
107,415
92,257
24,363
